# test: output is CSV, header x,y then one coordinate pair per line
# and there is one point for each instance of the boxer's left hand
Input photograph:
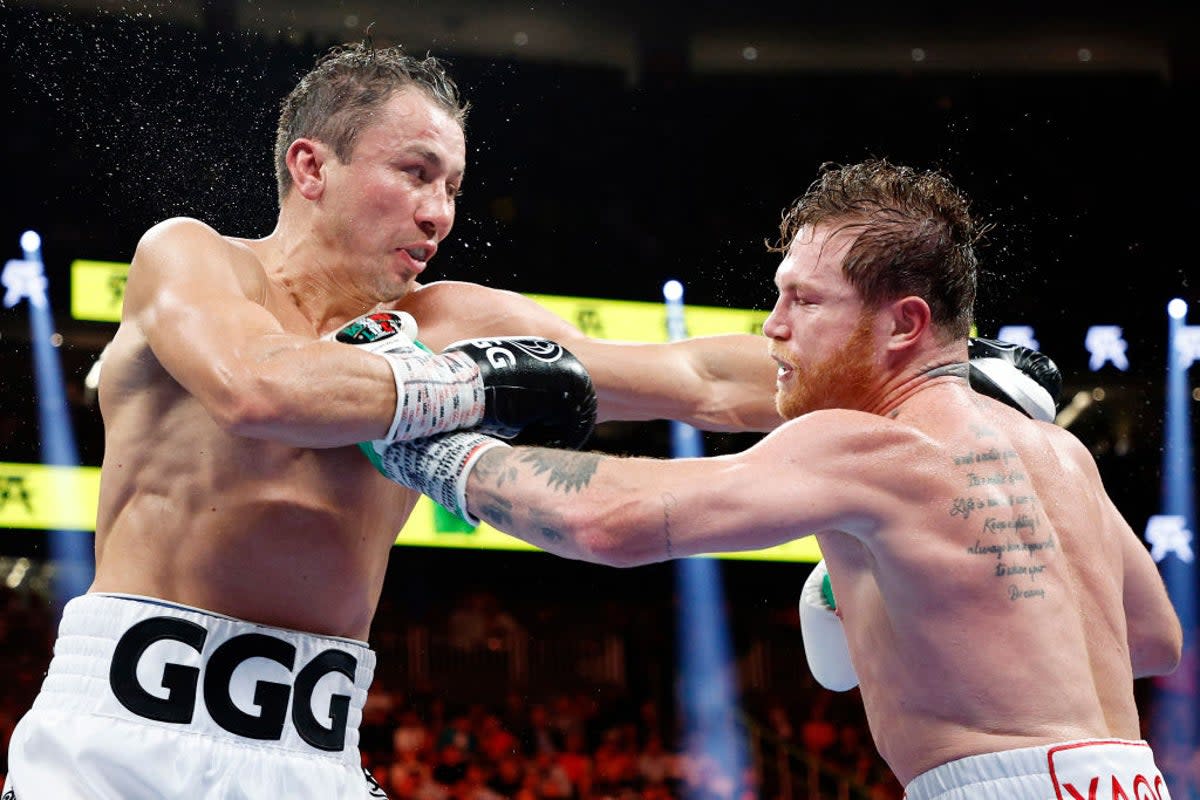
x,y
438,466
1025,379
825,645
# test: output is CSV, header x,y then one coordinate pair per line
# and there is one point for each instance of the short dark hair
x,y
334,102
915,235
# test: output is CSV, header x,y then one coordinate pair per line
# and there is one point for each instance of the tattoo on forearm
x,y
550,534
496,510
546,524
526,521
669,506
493,466
567,470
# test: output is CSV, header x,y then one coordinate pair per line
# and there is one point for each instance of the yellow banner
x,y
98,287
49,498
97,290
632,321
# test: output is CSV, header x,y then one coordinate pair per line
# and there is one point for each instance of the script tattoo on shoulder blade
x,y
567,471
982,431
1007,526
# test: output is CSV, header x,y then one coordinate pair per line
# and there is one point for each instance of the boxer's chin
x,y
843,380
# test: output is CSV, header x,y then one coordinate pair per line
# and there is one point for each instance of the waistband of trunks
x,y
1042,770
159,663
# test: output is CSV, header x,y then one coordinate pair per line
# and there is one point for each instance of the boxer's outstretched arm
x,y
630,511
713,382
198,303
1153,632
717,383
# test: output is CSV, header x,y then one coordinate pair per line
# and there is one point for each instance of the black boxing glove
x,y
1017,376
535,391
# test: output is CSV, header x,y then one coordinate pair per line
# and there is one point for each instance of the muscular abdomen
x,y
297,538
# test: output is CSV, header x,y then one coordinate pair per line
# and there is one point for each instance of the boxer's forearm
x,y
306,394
503,490
195,302
724,383
740,378
570,504
624,512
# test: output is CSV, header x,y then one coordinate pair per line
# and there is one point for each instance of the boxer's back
x,y
252,528
986,613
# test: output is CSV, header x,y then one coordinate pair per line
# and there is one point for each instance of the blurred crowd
x,y
572,746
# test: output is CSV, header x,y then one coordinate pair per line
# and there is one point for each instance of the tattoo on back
x,y
1002,512
981,431
568,471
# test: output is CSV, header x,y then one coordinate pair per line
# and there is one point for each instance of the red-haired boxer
x,y
996,604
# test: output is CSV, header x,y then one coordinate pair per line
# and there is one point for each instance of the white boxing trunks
x,y
1088,769
149,699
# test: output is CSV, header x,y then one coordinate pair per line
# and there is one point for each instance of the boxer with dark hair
x,y
241,537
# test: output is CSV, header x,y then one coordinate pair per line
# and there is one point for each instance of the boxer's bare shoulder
x,y
451,310
186,252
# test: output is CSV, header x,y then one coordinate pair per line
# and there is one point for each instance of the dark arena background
x,y
613,146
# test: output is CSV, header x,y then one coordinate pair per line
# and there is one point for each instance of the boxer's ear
x,y
909,318
306,159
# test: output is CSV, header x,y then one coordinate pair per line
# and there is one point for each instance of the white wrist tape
x,y
434,393
438,466
825,645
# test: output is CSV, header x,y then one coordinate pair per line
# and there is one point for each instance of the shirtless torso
x,y
984,604
257,529
993,597
231,482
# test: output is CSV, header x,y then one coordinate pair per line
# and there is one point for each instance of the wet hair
x,y
915,235
335,101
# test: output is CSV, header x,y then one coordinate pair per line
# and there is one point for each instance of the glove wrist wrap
x,y
438,466
434,393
